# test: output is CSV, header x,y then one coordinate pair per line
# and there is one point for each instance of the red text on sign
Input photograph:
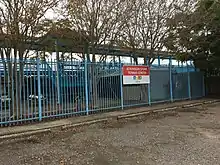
x,y
136,70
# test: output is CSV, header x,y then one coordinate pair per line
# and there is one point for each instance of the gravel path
x,y
188,138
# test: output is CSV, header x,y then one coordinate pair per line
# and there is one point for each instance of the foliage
x,y
196,33
97,20
21,22
146,25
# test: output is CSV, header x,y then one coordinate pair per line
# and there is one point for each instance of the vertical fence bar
x,y
46,107
53,92
27,89
5,109
65,86
35,92
9,94
58,76
121,84
31,93
86,87
23,93
189,81
61,85
68,88
149,93
148,85
72,109
75,89
79,90
171,80
84,91
16,85
20,87
1,93
50,86
39,89
13,95
42,90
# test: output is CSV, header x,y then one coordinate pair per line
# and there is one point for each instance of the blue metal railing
x,y
33,90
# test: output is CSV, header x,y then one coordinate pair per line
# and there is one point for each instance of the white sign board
x,y
135,74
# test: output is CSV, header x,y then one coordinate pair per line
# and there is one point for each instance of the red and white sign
x,y
135,74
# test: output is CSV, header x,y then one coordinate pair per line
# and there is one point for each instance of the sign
x,y
135,74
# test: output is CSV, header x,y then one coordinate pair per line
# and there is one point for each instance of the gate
x,y
103,85
63,88
180,86
160,85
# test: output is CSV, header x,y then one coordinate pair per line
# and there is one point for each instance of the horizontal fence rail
x,y
33,90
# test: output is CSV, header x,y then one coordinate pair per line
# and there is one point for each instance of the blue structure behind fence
x,y
35,90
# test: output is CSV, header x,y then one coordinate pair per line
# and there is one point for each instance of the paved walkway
x,y
7,131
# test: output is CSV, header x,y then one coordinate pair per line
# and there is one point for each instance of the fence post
x,y
149,94
121,84
86,86
171,80
39,89
58,75
189,82
148,85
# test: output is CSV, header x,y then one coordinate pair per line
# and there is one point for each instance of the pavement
x,y
47,126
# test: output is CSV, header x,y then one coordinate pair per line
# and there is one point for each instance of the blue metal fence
x,y
160,85
34,90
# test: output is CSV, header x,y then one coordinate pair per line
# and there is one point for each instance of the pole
x,y
148,85
86,87
189,82
39,88
58,76
171,80
121,83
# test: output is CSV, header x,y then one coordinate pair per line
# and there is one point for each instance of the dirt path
x,y
188,138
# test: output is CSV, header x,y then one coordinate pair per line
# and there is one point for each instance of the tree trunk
x,y
17,84
144,87
94,78
136,60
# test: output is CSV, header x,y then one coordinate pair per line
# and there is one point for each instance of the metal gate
x,y
180,86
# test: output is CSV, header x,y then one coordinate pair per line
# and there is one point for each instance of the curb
x,y
106,119
166,109
47,130
133,115
84,123
23,134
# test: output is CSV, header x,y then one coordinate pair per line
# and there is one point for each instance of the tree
x,y
98,20
21,22
146,26
195,34
129,36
